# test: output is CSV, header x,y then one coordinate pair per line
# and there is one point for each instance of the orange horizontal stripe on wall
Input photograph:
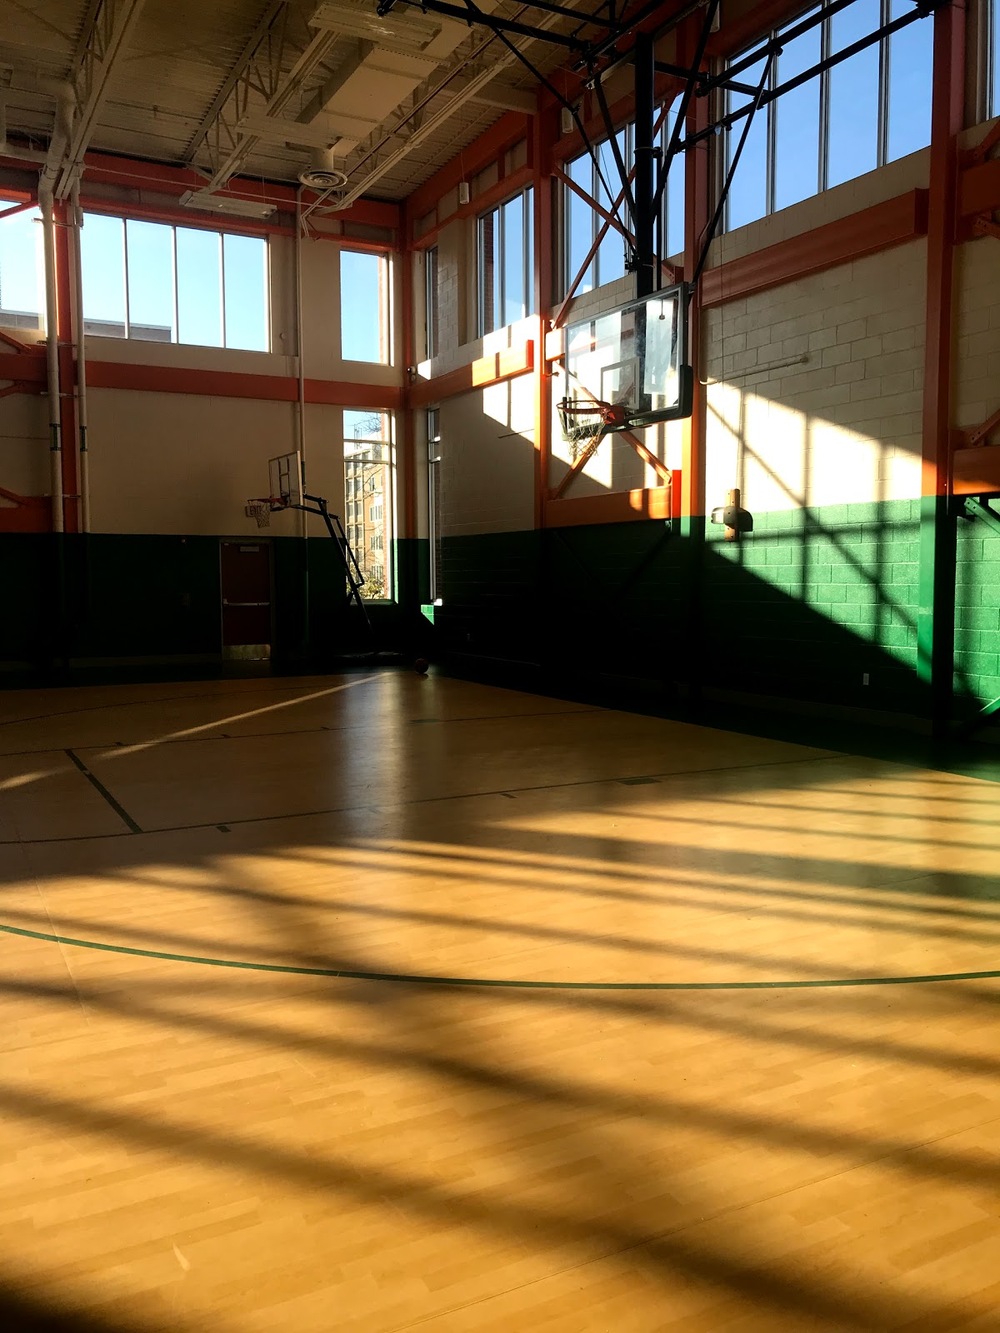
x,y
479,374
22,367
235,384
866,233
615,507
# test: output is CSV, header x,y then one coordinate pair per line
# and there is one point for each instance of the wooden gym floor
x,y
377,1002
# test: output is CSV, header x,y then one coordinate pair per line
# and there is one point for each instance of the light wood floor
x,y
658,1137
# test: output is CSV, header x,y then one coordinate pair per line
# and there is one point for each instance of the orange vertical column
x,y
543,128
936,615
67,371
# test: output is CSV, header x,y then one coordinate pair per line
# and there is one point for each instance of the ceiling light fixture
x,y
229,204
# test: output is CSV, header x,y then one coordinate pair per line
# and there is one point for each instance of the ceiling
x,y
259,88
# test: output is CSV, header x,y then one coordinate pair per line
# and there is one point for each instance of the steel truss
x,y
641,188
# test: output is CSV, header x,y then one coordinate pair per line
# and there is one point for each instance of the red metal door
x,y
246,598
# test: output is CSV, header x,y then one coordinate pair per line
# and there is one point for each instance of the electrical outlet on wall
x,y
864,678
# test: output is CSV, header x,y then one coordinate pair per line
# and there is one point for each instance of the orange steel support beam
x,y
233,384
976,471
480,374
543,133
865,233
407,425
936,614
658,502
67,372
503,189
25,369
492,144
16,343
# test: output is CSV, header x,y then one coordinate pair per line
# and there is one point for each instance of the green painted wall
x,y
805,607
106,597
977,613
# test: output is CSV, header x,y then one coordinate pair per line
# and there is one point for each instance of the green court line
x,y
416,979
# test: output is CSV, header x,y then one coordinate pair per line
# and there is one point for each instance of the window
x,y
582,223
993,57
22,270
364,307
431,337
506,264
434,501
871,109
159,283
368,471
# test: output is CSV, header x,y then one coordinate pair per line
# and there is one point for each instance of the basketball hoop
x,y
260,510
588,422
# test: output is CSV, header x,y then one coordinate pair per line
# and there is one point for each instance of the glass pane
x,y
611,255
22,285
796,158
151,312
245,271
853,146
514,304
488,275
673,209
199,287
431,303
529,295
748,193
995,58
362,307
580,224
102,244
910,64
368,474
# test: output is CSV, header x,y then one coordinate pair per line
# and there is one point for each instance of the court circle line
x,y
419,979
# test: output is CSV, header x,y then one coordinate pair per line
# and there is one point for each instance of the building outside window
x,y
22,271
368,470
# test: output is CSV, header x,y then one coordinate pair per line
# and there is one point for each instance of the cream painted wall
x,y
179,463
173,463
487,451
815,389
977,332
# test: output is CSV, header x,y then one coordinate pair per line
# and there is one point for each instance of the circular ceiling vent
x,y
321,178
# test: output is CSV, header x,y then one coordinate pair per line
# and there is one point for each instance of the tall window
x,y
22,281
431,335
368,477
871,109
597,176
993,57
364,307
434,500
158,283
506,263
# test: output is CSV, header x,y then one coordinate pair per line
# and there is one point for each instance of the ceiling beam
x,y
107,29
265,24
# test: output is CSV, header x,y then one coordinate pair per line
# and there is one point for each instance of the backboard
x,y
286,480
634,359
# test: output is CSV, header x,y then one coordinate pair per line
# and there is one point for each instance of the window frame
x,y
494,275
434,524
386,338
374,453
884,95
432,333
175,338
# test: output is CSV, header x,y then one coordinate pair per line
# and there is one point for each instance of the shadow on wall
x,y
810,607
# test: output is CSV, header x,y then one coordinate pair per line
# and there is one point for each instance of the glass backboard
x,y
634,359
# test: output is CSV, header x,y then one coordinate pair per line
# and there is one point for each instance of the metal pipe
x,y
80,348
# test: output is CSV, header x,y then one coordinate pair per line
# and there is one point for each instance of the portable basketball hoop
x,y
261,510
